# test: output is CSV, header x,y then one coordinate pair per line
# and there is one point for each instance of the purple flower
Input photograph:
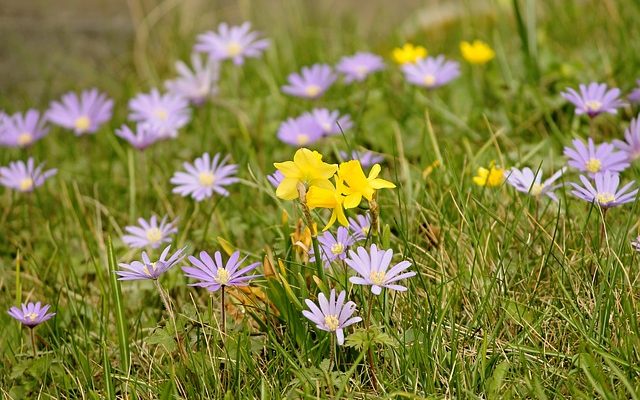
x,y
31,315
605,193
594,99
212,274
367,158
165,113
84,113
300,131
197,85
20,130
331,122
333,315
311,83
149,270
631,144
636,244
634,96
358,66
431,72
149,233
276,178
373,269
360,225
332,247
231,43
592,159
527,181
204,177
24,177
144,136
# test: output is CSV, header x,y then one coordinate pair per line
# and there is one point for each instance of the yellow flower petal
x,y
288,189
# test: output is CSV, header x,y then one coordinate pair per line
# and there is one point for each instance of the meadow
x,y
449,267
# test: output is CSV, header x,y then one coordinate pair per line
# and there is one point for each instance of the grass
x,y
504,305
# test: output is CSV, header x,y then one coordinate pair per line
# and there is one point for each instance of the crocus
x,y
231,43
204,177
166,113
357,185
22,130
528,181
594,99
24,177
332,247
605,193
311,82
408,54
431,72
358,66
373,268
631,144
212,273
84,113
147,270
333,315
300,131
477,52
307,169
634,96
367,158
360,226
149,233
593,159
197,85
144,136
30,314
331,122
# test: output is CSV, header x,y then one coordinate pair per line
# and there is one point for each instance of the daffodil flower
x,y
357,185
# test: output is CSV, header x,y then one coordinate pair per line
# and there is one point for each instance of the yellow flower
x,y
477,52
306,168
357,185
320,197
492,177
408,54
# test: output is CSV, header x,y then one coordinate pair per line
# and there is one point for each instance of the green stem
x,y
223,322
33,342
132,184
372,368
167,305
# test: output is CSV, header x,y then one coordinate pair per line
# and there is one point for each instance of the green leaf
x,y
163,338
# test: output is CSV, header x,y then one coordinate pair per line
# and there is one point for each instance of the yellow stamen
x,y
593,165
206,178
377,277
337,248
233,49
313,90
222,276
536,189
161,114
26,184
154,235
331,322
25,138
429,80
82,123
31,316
147,271
605,198
302,139
593,105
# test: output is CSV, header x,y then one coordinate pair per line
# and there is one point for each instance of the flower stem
x,y
167,305
223,323
302,195
372,369
132,184
375,214
33,342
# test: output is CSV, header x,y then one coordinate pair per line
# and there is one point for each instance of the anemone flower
x,y
231,43
357,67
631,144
332,315
300,131
166,113
594,99
593,159
205,177
197,85
526,181
147,270
24,177
605,193
311,82
84,113
431,72
373,268
22,130
151,233
331,122
31,315
144,136
332,247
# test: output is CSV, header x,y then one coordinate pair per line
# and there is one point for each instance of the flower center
x,y
82,123
365,230
429,80
326,126
154,235
26,184
222,276
313,90
25,138
234,48
161,114
593,105
149,272
302,138
593,165
377,277
206,178
536,189
31,316
337,248
332,322
361,70
605,198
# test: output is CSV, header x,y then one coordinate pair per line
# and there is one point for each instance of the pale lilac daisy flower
x,y
144,136
332,247
333,315
166,113
636,244
605,193
528,181
367,158
300,131
84,113
592,159
634,96
24,177
197,85
204,177
150,233
311,83
594,99
276,178
30,314
631,145
231,43
331,122
360,226
213,274
22,130
147,270
431,72
373,267
358,66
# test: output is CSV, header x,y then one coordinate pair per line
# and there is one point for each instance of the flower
x,y
144,136
360,225
631,145
307,169
492,177
149,270
333,247
204,177
358,185
300,131
408,54
526,181
84,113
333,315
605,193
149,233
22,130
231,43
373,267
197,85
593,159
311,83
636,244
367,158
594,99
165,113
634,96
477,52
331,122
431,72
213,274
275,179
24,177
31,315
358,66
329,197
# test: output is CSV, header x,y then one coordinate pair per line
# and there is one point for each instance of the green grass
x,y
503,306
